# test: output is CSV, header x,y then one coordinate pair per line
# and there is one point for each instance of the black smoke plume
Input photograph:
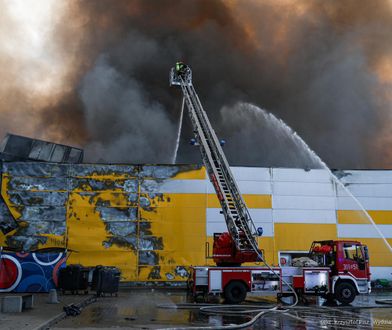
x,y
317,65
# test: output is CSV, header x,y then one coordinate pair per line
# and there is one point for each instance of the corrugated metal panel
x,y
369,203
219,227
251,173
24,148
299,175
303,202
369,176
180,186
364,231
304,216
303,189
367,190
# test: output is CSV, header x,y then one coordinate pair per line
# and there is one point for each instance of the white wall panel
x,y
364,231
251,173
370,176
219,227
303,202
369,203
302,189
300,175
381,272
367,190
258,215
248,187
180,186
304,216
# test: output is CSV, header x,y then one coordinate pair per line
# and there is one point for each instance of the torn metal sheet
x,y
145,228
117,214
150,243
38,198
25,243
25,148
155,273
83,184
148,258
35,169
128,242
94,170
165,172
7,221
121,228
182,271
44,213
38,184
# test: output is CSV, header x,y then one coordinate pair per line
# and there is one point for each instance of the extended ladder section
x,y
238,220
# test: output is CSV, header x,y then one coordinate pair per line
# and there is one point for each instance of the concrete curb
x,y
57,318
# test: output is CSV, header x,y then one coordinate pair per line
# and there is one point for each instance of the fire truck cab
x,y
348,263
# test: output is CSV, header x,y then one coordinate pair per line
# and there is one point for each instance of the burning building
x,y
322,67
153,221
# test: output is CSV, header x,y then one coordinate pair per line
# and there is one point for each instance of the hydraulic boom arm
x,y
239,245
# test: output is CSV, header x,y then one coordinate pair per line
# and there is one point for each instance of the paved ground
x,y
153,309
142,309
32,318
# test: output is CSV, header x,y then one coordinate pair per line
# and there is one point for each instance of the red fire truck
x,y
333,269
340,270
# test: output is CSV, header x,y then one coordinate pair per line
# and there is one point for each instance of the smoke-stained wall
x,y
153,221
323,67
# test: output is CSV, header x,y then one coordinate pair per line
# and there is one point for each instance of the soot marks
x,y
35,169
148,258
25,243
7,221
121,228
37,184
144,228
341,174
96,170
169,276
117,213
128,242
150,243
181,271
155,273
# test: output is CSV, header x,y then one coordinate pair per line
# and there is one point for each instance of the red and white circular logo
x,y
10,273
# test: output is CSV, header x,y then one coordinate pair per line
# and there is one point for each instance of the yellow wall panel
x,y
358,217
197,174
299,236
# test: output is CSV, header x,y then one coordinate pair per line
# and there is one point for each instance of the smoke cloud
x,y
325,68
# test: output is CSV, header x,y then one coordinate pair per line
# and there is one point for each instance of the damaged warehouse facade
x,y
153,221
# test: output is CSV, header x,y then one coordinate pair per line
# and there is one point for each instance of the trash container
x,y
105,280
74,278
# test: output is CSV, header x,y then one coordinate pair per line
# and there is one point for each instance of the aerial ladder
x,y
239,244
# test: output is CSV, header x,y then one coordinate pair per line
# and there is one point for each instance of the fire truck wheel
x,y
345,293
235,292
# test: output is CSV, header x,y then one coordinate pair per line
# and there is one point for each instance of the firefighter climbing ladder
x,y
238,220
